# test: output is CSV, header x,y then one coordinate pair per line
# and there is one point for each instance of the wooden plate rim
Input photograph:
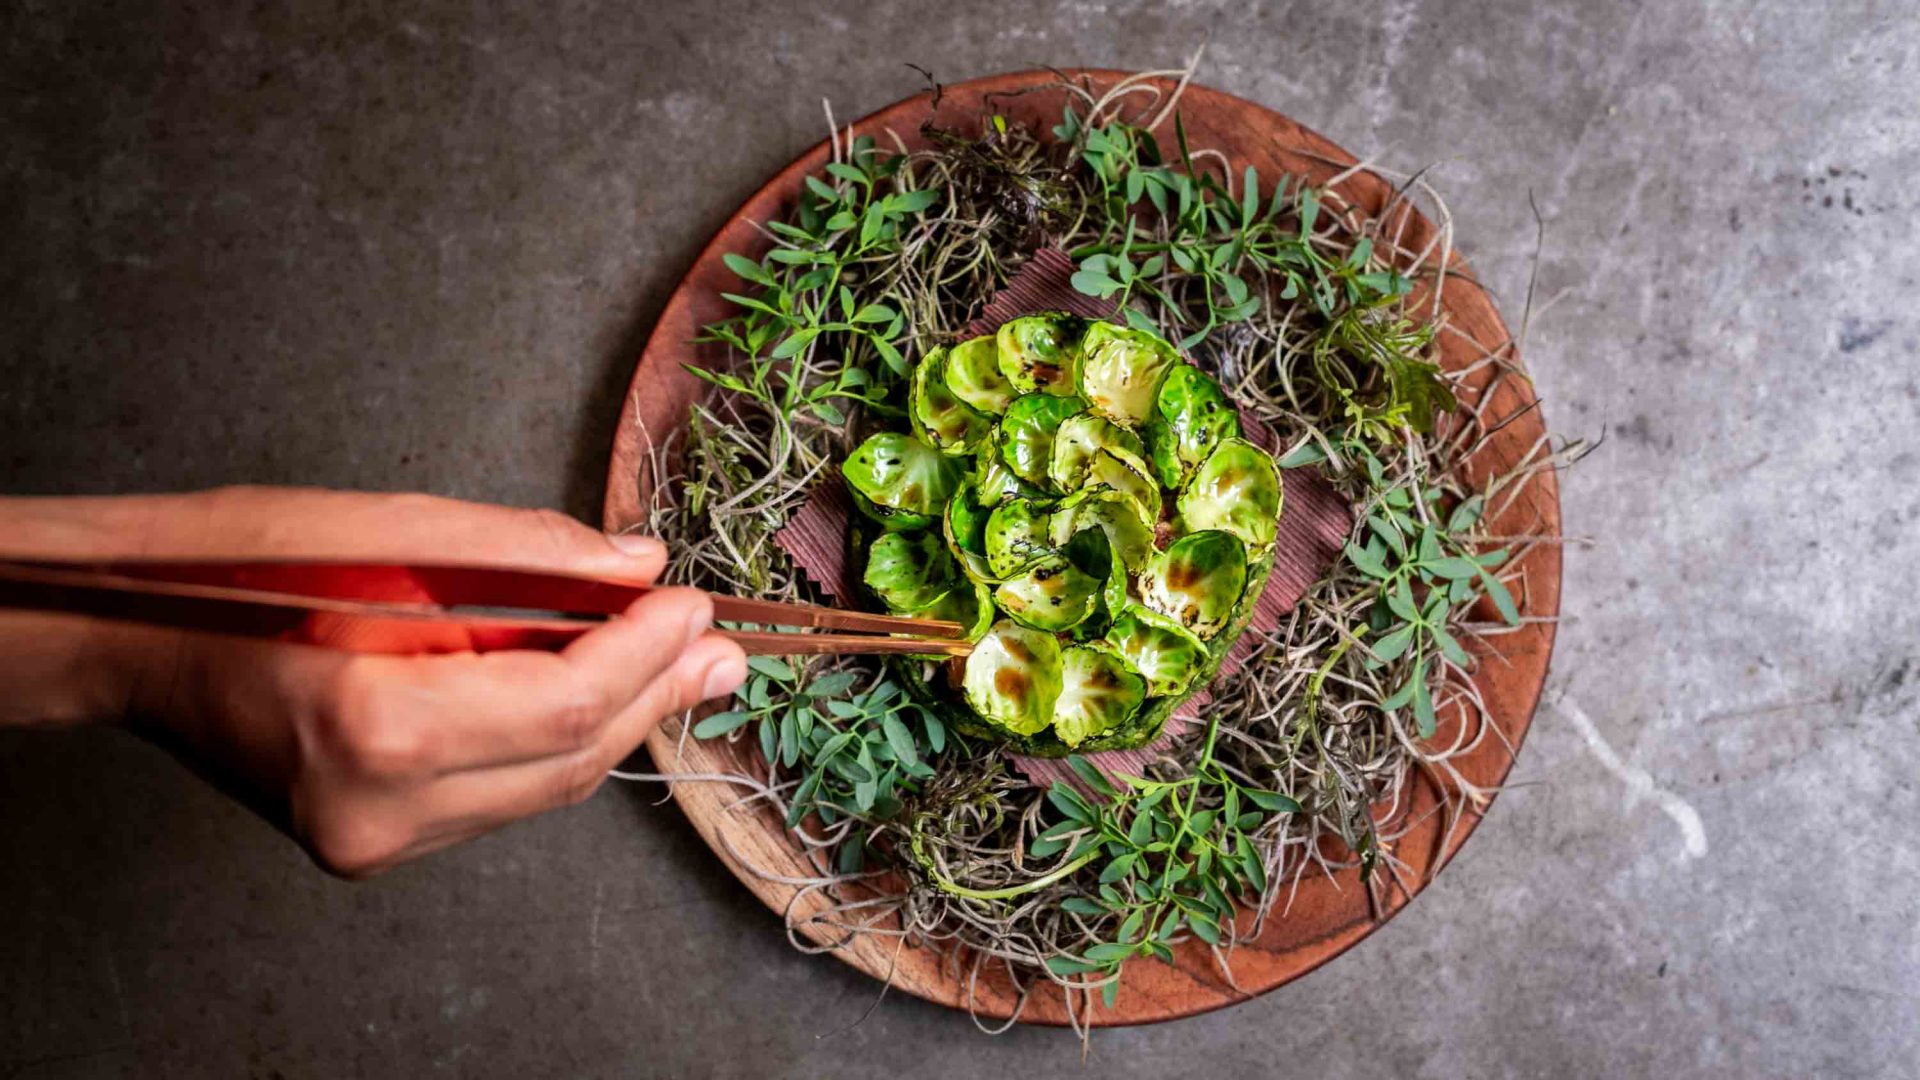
x,y
658,386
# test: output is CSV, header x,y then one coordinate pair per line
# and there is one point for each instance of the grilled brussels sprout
x,y
1098,692
1080,437
1197,581
900,481
1121,370
995,483
1237,490
967,603
1038,352
964,527
1028,430
1043,542
940,419
1051,594
908,571
1015,535
973,374
1012,677
1127,474
1165,653
1190,416
1115,514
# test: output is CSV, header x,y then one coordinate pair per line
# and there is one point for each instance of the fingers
x,y
625,659
713,667
472,801
458,712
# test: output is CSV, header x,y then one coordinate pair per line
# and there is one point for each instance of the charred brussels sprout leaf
x,y
1165,653
1027,433
1197,581
967,603
1080,437
1110,512
1123,472
902,482
940,419
1098,692
1237,490
908,571
1093,552
964,527
1121,370
1190,416
1012,677
995,483
973,374
1051,594
1015,535
1038,352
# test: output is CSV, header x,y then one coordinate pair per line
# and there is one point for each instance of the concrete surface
x,y
344,245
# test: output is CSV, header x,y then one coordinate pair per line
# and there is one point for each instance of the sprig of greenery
x,y
1206,239
856,754
1425,570
1173,855
853,222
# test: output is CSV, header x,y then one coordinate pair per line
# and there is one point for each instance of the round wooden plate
x,y
1323,920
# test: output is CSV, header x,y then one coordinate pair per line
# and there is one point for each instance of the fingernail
x,y
724,677
640,547
700,619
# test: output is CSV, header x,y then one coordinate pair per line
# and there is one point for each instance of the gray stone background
x,y
418,246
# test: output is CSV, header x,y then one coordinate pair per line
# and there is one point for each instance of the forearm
x,y
60,669
368,760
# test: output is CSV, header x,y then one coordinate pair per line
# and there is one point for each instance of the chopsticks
x,y
414,608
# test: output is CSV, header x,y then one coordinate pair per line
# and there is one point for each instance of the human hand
x,y
369,761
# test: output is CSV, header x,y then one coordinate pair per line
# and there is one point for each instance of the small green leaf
x,y
1390,647
1423,709
846,172
1371,562
1069,965
912,202
831,685
1043,847
747,269
1450,647
795,342
721,723
1072,806
1502,599
1308,452
1271,801
1091,775
899,738
771,668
